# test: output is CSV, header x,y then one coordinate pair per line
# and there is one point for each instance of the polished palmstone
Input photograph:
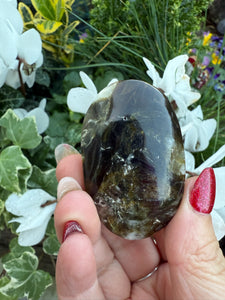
x,y
133,158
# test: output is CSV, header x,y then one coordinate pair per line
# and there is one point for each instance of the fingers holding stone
x,y
138,257
77,205
71,166
76,274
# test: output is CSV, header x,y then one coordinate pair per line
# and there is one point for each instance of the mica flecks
x,y
133,158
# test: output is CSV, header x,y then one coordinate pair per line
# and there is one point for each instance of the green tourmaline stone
x,y
133,158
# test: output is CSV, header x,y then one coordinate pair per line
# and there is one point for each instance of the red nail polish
x,y
71,227
202,196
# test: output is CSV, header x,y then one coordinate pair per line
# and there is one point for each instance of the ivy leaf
x,y
20,132
61,126
42,77
71,80
15,169
43,180
25,279
73,134
51,244
3,281
16,250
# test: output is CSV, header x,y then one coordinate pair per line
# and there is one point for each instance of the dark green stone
x,y
133,158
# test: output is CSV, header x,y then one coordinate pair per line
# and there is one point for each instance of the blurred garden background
x,y
50,48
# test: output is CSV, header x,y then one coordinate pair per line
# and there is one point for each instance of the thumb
x,y
189,243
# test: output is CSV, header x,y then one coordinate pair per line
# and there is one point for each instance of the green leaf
x,y
58,124
25,12
59,98
20,132
71,80
10,98
16,250
50,9
25,279
42,77
71,27
69,3
44,180
73,134
51,244
47,26
15,169
2,205
3,281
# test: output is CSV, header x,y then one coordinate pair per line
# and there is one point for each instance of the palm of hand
x,y
100,265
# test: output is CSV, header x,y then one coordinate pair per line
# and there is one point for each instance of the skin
x,y
97,264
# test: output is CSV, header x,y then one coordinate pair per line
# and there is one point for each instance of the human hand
x,y
93,263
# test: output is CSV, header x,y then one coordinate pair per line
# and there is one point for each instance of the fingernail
x,y
202,196
64,150
69,228
67,184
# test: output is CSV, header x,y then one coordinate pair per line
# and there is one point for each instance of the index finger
x,y
74,168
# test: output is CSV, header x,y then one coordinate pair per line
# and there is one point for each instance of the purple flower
x,y
210,70
220,86
216,76
206,61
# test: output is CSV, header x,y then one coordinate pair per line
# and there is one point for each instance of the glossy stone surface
x,y
133,158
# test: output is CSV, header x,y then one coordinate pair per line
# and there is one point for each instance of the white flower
x,y
174,83
19,51
33,218
79,99
196,132
41,117
10,14
218,213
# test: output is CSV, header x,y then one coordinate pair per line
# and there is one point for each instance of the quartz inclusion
x,y
133,158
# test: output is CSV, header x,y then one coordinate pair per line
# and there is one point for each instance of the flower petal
x,y
41,117
220,187
39,61
107,91
12,78
3,72
26,204
191,139
184,93
30,79
8,53
174,71
42,103
33,236
29,46
218,225
13,3
20,112
114,80
9,12
80,99
206,131
197,112
88,82
212,160
152,73
189,161
36,219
